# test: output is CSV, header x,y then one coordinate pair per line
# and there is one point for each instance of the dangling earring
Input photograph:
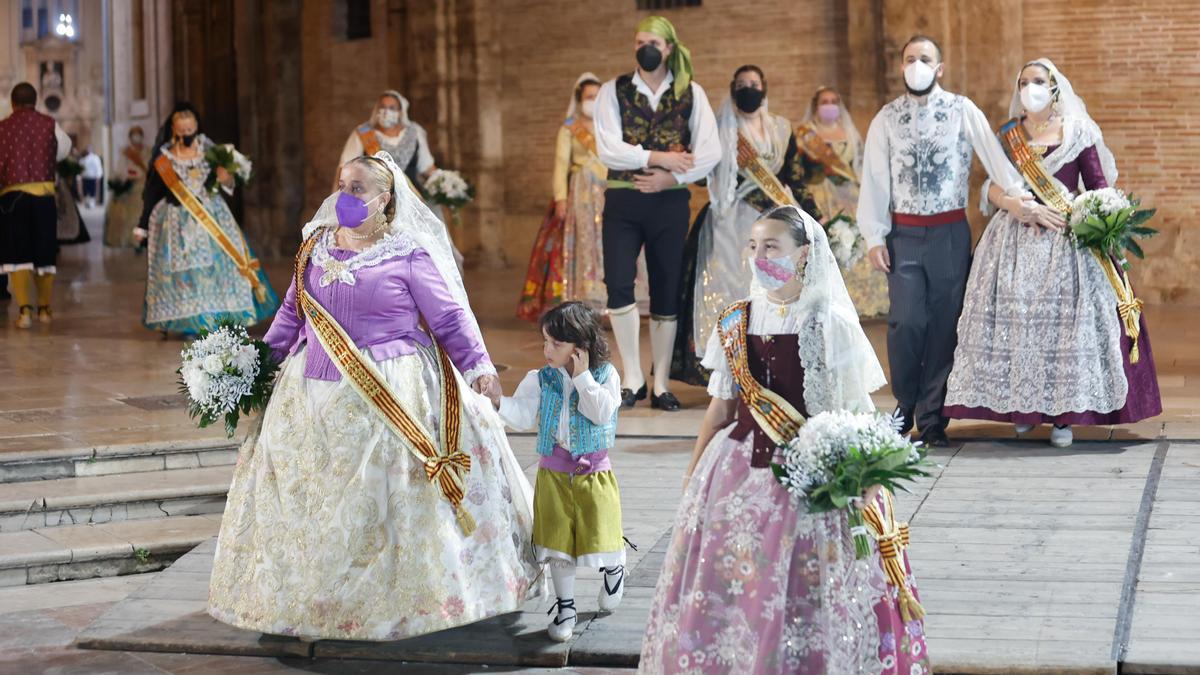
x,y
380,218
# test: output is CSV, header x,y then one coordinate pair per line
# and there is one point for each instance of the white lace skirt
x,y
1039,331
333,530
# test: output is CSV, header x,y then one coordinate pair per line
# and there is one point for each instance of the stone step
x,y
32,505
49,554
112,459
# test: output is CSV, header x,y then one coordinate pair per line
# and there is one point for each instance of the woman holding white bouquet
x,y
202,272
390,130
1041,337
379,499
754,582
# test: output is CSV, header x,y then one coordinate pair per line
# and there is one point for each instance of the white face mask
x,y
388,118
588,107
918,75
1035,97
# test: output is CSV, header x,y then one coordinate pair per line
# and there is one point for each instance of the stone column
x,y
269,100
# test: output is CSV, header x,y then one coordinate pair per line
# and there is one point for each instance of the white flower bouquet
x,y
836,456
451,190
1108,222
226,156
845,242
225,374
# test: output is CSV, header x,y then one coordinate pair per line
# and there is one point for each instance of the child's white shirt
x,y
597,402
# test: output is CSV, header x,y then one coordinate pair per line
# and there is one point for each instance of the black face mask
x,y
649,57
187,140
748,99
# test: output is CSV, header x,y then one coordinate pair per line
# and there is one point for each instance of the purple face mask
x,y
829,112
352,211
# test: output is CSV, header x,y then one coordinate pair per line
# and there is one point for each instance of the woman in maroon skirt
x,y
1040,340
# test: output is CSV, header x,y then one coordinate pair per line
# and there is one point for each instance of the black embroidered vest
x,y
665,129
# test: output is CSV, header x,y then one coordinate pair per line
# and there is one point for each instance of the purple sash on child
x,y
562,462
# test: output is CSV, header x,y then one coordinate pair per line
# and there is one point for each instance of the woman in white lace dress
x,y
379,499
1040,340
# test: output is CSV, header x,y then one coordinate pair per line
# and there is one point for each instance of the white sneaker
x,y
1022,429
563,626
613,588
1061,437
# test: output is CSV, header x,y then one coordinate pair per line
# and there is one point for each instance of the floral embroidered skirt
x,y
191,284
753,583
333,530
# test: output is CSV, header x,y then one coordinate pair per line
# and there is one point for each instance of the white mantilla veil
x,y
403,108
845,121
840,366
723,181
414,219
1074,113
573,106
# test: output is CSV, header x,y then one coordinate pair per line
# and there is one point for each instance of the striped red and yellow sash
x,y
749,161
779,420
892,538
246,266
821,151
448,470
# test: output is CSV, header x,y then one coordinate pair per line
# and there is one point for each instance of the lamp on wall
x,y
65,27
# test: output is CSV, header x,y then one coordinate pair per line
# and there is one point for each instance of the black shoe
x,y
935,437
666,402
906,417
629,397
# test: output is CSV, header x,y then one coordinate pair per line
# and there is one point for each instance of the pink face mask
x,y
829,112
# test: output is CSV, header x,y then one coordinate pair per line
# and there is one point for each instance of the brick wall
x,y
1135,62
548,43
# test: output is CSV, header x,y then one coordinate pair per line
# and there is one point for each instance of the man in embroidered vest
x,y
912,212
30,145
656,132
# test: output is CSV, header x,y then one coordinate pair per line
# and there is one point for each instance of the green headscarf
x,y
680,60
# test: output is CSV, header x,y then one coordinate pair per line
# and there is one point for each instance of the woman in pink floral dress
x,y
752,582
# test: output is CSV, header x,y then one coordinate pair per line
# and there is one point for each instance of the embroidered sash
x,y
248,267
821,151
134,156
749,161
446,470
585,137
1014,138
892,538
370,142
779,420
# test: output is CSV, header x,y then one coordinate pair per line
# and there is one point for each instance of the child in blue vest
x,y
573,403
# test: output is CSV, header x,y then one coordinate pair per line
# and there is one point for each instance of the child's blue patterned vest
x,y
586,437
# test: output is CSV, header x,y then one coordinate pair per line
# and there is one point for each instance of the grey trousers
x,y
926,286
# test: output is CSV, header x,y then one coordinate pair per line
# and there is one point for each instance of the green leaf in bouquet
x,y
1133,247
1140,216
779,471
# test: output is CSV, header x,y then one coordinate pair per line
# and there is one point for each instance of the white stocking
x,y
662,345
562,573
627,327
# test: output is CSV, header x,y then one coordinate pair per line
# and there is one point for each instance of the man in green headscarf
x,y
656,132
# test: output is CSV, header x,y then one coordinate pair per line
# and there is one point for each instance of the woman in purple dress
x,y
379,498
752,582
1040,340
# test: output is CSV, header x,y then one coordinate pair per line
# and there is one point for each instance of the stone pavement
x,y
1029,559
